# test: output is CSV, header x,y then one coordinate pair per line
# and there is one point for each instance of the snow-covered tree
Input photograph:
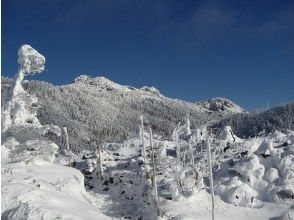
x,y
19,120
227,134
187,125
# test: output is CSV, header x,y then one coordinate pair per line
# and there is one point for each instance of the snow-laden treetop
x,y
30,60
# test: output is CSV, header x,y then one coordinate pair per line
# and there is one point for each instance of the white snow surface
x,y
43,190
253,178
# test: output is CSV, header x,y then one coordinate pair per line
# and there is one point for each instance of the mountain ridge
x,y
98,109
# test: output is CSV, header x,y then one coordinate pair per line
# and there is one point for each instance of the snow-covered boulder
x,y
287,163
223,187
283,194
252,172
250,168
288,178
266,148
272,174
236,192
243,195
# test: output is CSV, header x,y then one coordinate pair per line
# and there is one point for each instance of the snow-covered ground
x,y
54,191
240,193
147,176
199,206
43,190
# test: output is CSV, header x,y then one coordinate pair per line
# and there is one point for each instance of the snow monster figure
x,y
22,133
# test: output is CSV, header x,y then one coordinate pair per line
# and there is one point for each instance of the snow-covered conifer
x,y
187,126
19,115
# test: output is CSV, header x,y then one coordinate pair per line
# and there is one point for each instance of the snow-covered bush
x,y
227,134
185,170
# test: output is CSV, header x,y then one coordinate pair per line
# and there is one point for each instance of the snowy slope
x,y
251,124
101,110
46,191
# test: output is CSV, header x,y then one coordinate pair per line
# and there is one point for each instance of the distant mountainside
x,y
280,118
97,109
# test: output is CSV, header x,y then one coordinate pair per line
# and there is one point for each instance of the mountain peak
x,y
98,81
220,104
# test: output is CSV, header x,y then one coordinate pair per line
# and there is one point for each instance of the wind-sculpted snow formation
x,y
32,186
20,128
17,111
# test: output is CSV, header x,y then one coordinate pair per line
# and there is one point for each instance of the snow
x,y
272,174
221,104
198,207
151,90
97,109
33,187
253,178
228,135
46,191
236,196
30,60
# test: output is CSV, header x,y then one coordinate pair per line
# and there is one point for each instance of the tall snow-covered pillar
x,y
67,145
19,110
99,163
154,184
187,125
142,139
210,177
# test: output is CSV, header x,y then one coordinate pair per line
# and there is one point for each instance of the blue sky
x,y
191,50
